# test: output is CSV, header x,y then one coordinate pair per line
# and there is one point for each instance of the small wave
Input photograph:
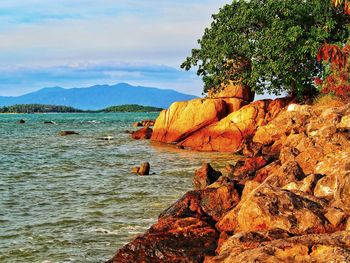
x,y
94,122
105,231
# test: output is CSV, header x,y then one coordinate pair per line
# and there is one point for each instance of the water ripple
x,y
74,199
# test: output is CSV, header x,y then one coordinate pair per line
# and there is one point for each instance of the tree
x,y
268,44
336,77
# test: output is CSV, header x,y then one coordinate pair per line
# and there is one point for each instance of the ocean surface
x,y
74,198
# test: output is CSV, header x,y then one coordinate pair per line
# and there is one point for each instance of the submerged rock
x,y
21,121
65,133
49,122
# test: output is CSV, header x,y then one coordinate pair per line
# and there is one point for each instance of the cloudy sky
x,y
77,43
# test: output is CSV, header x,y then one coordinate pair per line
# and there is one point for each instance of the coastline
x,y
281,192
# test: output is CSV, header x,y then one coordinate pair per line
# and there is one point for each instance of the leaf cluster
x,y
269,45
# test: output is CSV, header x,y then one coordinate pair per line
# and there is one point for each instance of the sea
x,y
74,198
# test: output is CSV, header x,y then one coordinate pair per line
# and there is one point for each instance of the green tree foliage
x,y
268,44
131,108
36,108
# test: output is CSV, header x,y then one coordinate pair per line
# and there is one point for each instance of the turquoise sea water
x,y
73,198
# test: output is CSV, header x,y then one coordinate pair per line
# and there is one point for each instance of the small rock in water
x,y
147,123
49,122
135,170
65,133
21,121
107,138
142,170
137,124
143,133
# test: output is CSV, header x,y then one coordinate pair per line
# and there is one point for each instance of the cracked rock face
x,y
289,206
220,124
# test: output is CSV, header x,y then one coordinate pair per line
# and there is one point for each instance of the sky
x,y
80,43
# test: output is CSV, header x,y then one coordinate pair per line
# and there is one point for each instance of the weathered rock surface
x,y
230,133
144,123
171,240
185,231
147,123
233,90
184,118
143,133
205,176
289,201
277,246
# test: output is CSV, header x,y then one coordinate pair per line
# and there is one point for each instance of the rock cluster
x,y
143,133
288,200
144,123
222,123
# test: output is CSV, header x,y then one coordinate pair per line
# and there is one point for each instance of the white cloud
x,y
50,33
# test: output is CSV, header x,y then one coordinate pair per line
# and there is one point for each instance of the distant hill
x,y
100,97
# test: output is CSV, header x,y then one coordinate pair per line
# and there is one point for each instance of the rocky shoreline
x,y
287,200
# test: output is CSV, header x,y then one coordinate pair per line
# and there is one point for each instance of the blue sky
x,y
77,43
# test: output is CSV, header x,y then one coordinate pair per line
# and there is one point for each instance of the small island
x,y
132,108
37,108
43,108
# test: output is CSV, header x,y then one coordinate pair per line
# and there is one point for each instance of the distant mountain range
x,y
100,97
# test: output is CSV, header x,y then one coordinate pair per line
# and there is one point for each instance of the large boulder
x,y
279,246
184,231
185,118
235,90
171,240
230,133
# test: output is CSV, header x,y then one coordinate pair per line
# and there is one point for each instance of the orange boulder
x,y
228,134
143,133
184,118
233,90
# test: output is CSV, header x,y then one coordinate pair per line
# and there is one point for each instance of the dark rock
x,y
205,176
171,240
148,123
65,133
143,133
137,124
144,169
246,168
21,121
